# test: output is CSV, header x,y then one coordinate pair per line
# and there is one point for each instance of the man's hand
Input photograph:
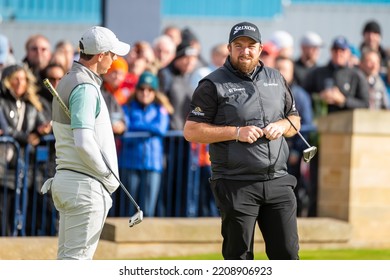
x,y
274,130
45,129
118,127
333,96
33,139
250,134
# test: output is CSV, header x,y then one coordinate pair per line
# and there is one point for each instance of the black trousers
x,y
272,204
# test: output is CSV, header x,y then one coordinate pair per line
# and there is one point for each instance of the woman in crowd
x,y
24,121
142,158
23,108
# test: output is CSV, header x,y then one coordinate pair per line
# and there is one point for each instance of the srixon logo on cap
x,y
244,27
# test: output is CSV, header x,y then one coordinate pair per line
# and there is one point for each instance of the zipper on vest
x,y
264,121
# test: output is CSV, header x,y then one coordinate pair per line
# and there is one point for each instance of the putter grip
x,y
53,92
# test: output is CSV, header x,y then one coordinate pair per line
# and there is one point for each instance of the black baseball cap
x,y
372,26
246,29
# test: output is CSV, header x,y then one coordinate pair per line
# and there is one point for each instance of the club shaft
x,y
299,134
55,94
303,139
120,183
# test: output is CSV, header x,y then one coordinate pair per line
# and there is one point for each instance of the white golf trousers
x,y
83,205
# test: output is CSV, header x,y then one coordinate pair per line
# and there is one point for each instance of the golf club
x,y
138,216
308,153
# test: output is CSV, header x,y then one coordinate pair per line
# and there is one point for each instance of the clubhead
x,y
136,218
309,153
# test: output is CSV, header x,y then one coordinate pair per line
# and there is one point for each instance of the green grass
x,y
323,254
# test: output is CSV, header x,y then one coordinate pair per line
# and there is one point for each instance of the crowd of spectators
x,y
356,76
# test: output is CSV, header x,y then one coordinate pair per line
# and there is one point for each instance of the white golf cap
x,y
99,39
282,39
312,39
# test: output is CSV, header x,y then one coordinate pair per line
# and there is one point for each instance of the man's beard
x,y
245,66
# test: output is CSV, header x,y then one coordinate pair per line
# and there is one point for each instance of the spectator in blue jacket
x,y
148,110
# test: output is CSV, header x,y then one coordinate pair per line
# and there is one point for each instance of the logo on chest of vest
x,y
231,90
270,84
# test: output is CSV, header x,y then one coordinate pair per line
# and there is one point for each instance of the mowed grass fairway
x,y
325,254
